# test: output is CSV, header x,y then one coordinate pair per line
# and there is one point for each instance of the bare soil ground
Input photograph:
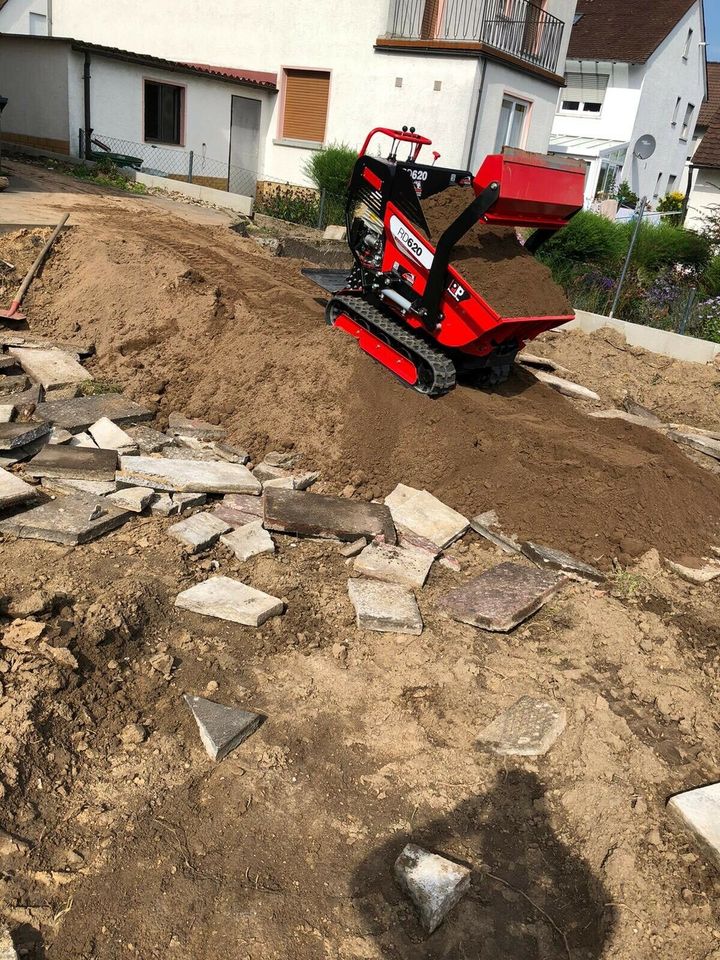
x,y
285,848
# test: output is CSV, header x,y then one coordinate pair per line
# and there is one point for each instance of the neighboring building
x,y
703,188
157,110
633,69
471,74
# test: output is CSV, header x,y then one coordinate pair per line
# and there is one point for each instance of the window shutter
x,y
306,104
585,87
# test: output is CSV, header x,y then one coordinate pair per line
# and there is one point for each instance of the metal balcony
x,y
516,27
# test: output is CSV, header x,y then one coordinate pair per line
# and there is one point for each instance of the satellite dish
x,y
645,147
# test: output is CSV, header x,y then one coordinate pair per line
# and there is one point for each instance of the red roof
x,y
623,30
235,73
711,104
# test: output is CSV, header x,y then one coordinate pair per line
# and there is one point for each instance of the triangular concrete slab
x,y
222,728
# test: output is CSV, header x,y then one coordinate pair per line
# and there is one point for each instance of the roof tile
x,y
628,31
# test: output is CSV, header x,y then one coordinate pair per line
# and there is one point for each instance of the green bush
x,y
672,203
288,206
588,238
710,280
659,247
625,197
330,168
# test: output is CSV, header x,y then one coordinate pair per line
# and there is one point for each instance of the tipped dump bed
x,y
493,261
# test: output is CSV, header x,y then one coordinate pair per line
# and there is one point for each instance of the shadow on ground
x,y
531,896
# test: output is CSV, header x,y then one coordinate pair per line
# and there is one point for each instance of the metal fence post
x,y
688,309
641,213
190,165
321,211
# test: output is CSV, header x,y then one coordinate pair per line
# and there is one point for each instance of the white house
x,y
703,187
634,70
471,74
176,118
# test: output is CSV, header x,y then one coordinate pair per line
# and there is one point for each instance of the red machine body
x,y
405,303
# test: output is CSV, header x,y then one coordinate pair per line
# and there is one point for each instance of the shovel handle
x,y
22,290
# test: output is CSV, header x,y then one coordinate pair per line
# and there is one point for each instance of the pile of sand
x,y
494,262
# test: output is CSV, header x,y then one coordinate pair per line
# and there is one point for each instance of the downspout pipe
x,y
476,119
87,138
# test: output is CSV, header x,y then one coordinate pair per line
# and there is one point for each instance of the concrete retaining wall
x,y
667,344
219,198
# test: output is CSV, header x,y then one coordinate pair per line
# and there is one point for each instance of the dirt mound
x,y
495,263
248,346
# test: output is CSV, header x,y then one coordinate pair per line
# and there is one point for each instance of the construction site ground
x,y
285,849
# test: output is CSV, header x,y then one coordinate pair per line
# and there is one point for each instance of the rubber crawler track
x,y
422,354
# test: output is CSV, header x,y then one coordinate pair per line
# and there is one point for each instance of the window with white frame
x,y
687,122
511,128
584,93
658,184
672,180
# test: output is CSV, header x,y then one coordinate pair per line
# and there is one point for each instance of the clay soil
x,y
494,262
138,845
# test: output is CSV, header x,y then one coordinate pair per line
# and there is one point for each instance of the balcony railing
x,y
517,27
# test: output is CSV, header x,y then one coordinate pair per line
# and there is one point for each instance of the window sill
x,y
299,144
164,143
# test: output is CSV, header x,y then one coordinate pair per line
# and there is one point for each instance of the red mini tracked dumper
x,y
405,304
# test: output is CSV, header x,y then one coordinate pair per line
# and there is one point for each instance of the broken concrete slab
x,y
187,501
198,532
58,435
502,597
163,506
227,451
249,540
423,514
99,488
313,514
187,476
183,452
73,463
180,425
697,575
222,728
434,884
79,412
229,599
237,509
557,560
149,440
393,564
487,525
12,385
636,409
53,369
334,232
301,481
385,607
9,458
353,549
698,811
109,436
70,520
280,458
19,434
624,416
13,490
7,412
544,363
136,499
566,387
706,445
526,729
82,440
81,348
265,471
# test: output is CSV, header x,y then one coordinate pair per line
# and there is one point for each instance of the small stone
x,y
187,501
229,599
163,506
222,728
433,883
354,548
698,811
566,387
502,597
180,425
385,607
526,729
249,541
58,435
162,663
82,440
557,560
133,734
199,532
393,564
278,458
109,436
425,515
31,605
334,232
136,499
